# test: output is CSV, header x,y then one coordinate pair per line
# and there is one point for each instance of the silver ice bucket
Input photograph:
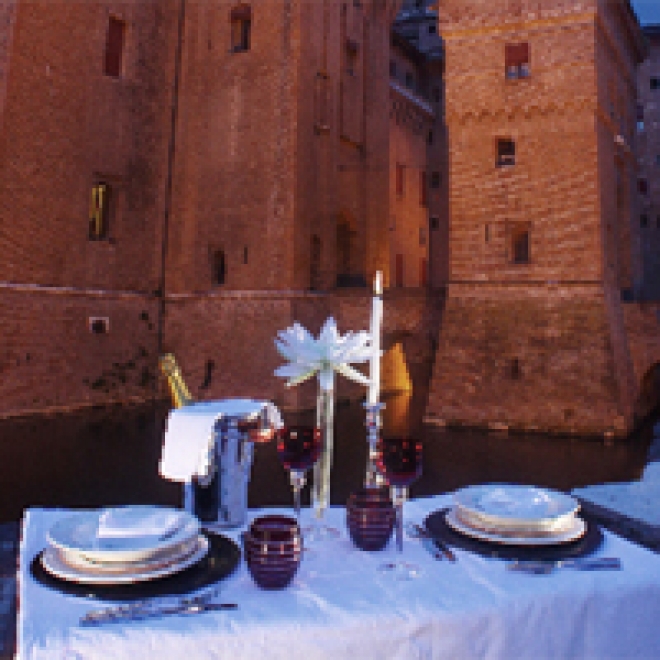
x,y
218,494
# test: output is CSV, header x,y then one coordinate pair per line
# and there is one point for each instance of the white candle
x,y
375,330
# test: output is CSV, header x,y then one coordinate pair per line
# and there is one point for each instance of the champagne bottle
x,y
205,490
179,391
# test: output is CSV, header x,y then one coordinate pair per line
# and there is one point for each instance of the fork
x,y
546,567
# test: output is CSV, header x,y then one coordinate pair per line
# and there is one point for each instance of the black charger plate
x,y
221,560
588,543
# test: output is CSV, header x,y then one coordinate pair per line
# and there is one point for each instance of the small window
x,y
352,49
516,61
515,371
520,246
432,28
400,179
655,83
434,222
245,255
241,24
219,268
114,47
643,186
435,179
410,80
422,189
392,69
99,211
506,152
429,138
643,221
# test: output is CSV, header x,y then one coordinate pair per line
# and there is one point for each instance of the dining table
x,y
340,605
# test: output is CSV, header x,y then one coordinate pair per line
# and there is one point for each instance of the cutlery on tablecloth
x,y
95,619
419,532
153,607
546,567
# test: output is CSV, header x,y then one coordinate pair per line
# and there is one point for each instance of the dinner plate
x,y
576,531
78,534
222,559
511,507
161,558
586,545
53,561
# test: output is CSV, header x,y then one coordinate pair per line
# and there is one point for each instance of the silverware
x,y
153,607
95,619
444,549
546,567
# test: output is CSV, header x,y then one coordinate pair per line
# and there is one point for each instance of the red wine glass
x,y
298,448
399,460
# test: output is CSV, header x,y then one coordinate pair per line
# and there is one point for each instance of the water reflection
x,y
110,456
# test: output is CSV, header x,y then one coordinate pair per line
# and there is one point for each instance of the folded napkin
x,y
139,521
190,430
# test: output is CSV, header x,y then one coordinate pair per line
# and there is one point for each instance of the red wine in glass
x,y
399,461
298,448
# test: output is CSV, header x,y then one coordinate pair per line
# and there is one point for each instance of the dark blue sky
x,y
648,11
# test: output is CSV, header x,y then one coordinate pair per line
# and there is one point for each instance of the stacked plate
x,y
517,515
123,544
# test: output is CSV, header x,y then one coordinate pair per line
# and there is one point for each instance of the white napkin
x,y
139,521
189,431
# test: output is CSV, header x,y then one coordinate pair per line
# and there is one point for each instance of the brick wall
x,y
540,343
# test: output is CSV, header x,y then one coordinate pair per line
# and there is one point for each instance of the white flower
x,y
329,353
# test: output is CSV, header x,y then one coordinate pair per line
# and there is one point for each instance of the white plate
x,y
158,559
510,506
78,534
53,561
577,530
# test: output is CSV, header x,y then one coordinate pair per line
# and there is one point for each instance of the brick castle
x,y
193,177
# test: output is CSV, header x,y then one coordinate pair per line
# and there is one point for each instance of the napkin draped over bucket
x,y
189,432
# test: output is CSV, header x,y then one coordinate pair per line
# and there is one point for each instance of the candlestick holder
x,y
373,478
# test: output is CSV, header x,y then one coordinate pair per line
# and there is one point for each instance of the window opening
x,y
506,152
241,25
114,47
516,58
219,268
99,213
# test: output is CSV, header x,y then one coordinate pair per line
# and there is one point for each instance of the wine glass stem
x,y
297,482
398,498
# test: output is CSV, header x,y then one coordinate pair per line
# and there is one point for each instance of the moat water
x,y
110,456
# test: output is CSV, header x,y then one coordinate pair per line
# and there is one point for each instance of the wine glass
x,y
399,460
298,448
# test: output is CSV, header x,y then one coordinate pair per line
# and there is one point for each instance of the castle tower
x,y
543,243
281,175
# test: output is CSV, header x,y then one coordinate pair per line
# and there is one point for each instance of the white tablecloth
x,y
340,606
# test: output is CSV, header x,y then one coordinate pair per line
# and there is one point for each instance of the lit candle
x,y
376,322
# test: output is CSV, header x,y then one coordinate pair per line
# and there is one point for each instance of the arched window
x,y
241,23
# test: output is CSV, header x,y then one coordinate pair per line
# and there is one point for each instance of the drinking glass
x,y
298,448
399,460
